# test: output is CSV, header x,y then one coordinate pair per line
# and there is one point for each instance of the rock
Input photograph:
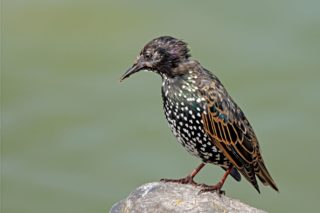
x,y
172,197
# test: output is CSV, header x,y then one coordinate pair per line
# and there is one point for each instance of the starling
x,y
202,115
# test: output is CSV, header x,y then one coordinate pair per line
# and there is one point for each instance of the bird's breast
x,y
183,108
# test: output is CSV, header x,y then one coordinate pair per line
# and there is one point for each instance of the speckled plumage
x,y
184,107
201,114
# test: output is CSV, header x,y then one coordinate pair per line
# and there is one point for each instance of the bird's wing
x,y
231,132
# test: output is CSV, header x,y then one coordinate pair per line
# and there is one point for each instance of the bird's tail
x,y
265,177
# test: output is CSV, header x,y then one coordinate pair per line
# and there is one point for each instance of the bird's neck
x,y
184,69
186,79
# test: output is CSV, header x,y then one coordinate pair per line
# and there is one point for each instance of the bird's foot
x,y
186,180
214,188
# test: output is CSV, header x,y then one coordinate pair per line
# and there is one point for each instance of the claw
x,y
186,180
215,188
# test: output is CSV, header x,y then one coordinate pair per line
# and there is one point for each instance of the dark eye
x,y
147,55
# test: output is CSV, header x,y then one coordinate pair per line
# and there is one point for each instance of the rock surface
x,y
172,197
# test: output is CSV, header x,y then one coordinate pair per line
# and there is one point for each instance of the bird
x,y
202,115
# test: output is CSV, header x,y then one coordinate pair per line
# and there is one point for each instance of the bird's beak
x,y
135,68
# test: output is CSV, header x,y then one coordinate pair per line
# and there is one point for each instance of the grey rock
x,y
171,197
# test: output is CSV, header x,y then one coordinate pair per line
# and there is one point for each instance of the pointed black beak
x,y
135,68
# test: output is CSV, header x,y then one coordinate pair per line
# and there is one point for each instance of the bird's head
x,y
160,55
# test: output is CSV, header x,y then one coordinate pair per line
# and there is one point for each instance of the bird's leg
x,y
189,178
217,187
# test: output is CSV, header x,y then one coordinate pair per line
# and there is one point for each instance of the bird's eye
x,y
147,56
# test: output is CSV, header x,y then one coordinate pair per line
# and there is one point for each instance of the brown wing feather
x,y
231,132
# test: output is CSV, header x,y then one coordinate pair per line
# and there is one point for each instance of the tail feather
x,y
249,173
265,177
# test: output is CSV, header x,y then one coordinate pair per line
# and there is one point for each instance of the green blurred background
x,y
76,140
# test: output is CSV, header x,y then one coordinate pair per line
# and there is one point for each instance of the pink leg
x,y
189,178
218,186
